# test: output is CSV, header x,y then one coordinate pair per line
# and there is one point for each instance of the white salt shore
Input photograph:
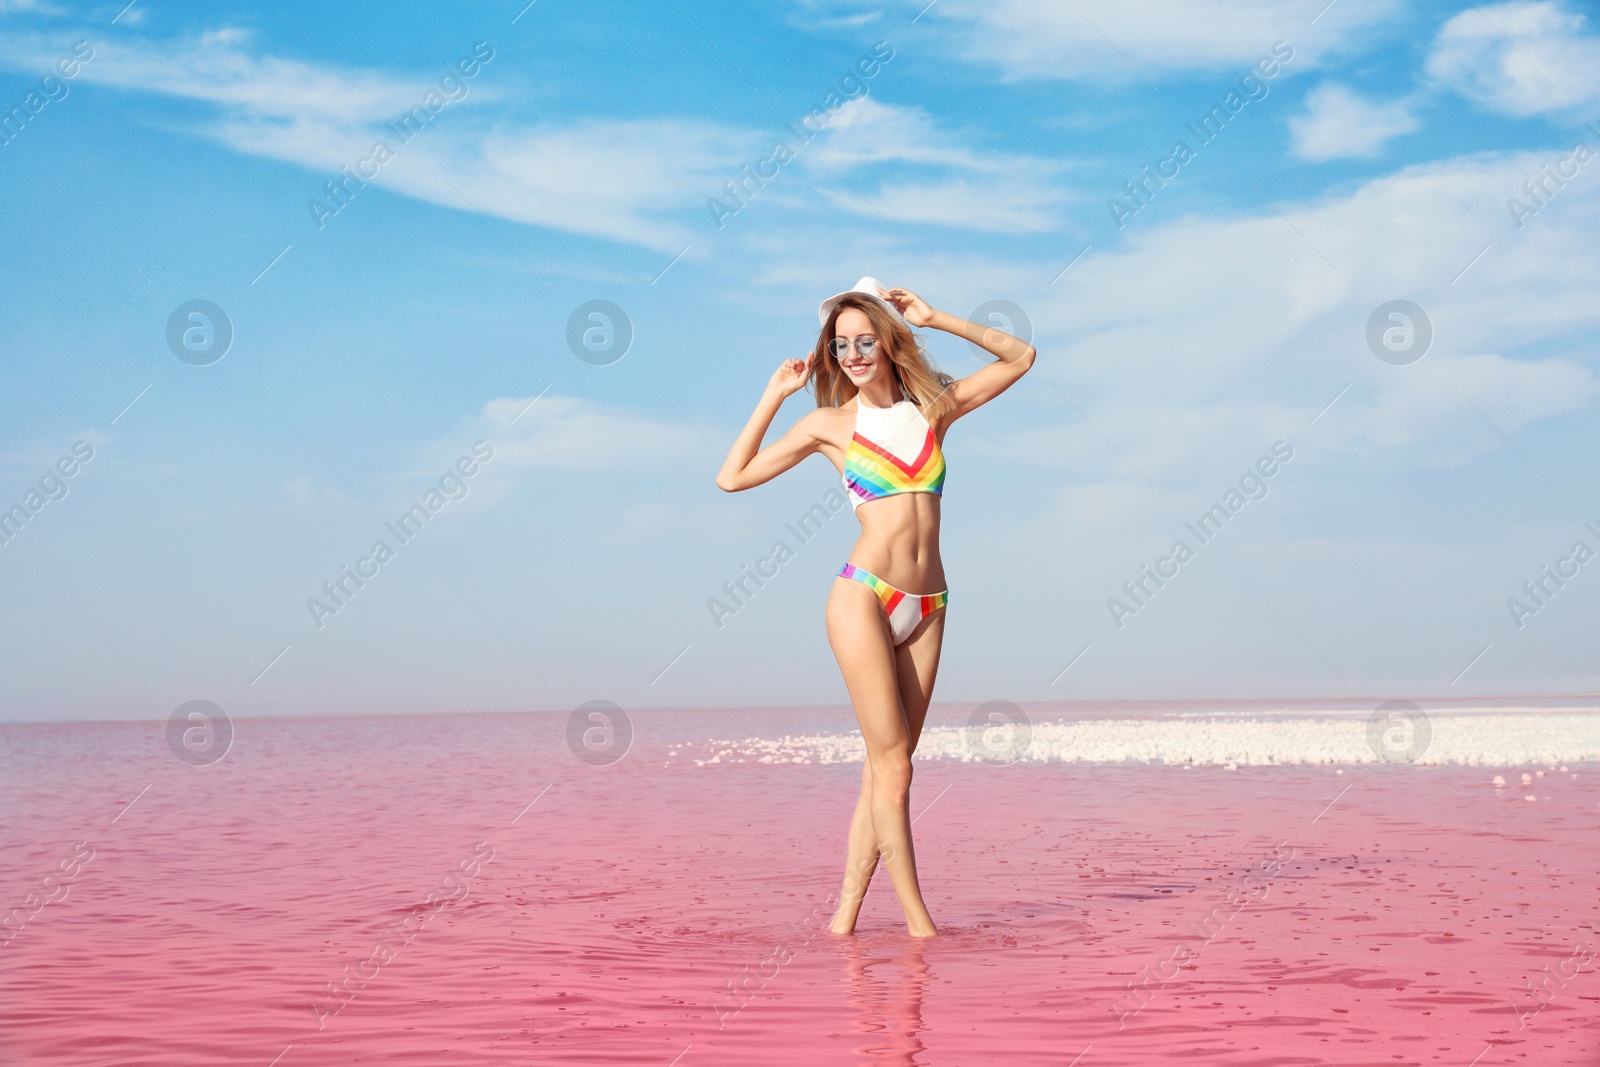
x,y
1499,738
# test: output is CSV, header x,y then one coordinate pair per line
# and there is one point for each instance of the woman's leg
x,y
916,664
861,857
917,668
855,619
859,635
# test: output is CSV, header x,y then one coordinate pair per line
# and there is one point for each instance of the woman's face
x,y
853,324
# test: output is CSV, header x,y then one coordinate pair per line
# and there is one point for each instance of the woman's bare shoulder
x,y
830,425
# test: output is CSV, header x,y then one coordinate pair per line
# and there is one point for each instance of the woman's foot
x,y
925,928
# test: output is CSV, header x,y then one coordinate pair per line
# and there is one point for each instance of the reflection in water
x,y
886,992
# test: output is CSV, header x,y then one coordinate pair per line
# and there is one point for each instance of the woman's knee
x,y
890,772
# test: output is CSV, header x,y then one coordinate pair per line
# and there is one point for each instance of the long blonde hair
x,y
921,383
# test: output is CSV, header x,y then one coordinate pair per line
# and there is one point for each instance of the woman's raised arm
x,y
748,464
1013,354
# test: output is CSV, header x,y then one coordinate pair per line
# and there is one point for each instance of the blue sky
x,y
372,347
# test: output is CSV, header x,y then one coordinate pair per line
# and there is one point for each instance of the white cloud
x,y
1338,124
869,131
1511,393
215,67
605,178
613,179
953,185
1213,336
993,204
636,181
819,14
601,178
1519,58
1123,40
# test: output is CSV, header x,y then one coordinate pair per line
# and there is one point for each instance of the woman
x,y
881,419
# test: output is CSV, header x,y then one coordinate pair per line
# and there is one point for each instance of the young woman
x,y
881,419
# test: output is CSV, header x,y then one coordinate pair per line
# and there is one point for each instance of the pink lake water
x,y
478,895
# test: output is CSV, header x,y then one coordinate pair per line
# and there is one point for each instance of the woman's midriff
x,y
899,542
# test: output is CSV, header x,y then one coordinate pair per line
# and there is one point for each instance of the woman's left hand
x,y
913,307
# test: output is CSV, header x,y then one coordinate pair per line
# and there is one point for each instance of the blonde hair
x,y
921,383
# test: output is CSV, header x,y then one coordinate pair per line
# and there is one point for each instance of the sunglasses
x,y
865,344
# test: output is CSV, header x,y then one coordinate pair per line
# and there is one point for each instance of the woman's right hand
x,y
790,377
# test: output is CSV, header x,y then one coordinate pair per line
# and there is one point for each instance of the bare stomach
x,y
899,542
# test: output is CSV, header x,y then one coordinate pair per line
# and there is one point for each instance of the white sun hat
x,y
867,287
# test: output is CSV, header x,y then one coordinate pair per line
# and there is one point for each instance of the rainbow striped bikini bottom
x,y
905,611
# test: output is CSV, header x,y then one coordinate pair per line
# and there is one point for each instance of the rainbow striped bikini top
x,y
873,467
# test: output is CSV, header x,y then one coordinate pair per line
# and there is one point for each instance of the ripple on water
x,y
1416,906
